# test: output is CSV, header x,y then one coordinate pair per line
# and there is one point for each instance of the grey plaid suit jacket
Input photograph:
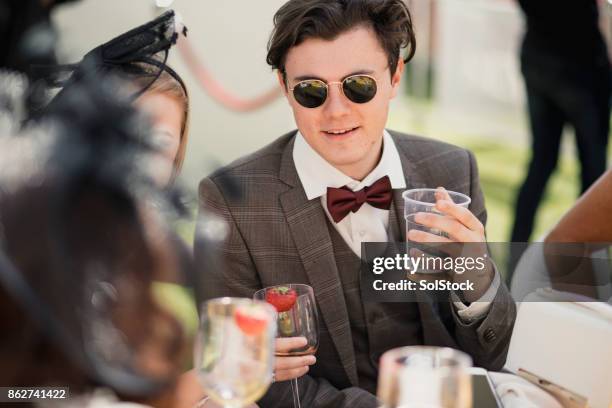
x,y
276,235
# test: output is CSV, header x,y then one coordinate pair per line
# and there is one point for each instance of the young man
x,y
338,64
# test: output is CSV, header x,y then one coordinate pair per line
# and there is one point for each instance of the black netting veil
x,y
140,53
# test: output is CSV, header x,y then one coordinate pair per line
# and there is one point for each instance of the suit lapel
x,y
434,332
413,178
396,217
308,225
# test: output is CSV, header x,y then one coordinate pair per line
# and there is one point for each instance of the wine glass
x,y
234,350
425,377
297,317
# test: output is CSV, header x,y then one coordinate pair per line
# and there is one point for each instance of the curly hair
x,y
299,20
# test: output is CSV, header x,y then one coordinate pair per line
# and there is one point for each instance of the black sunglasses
x,y
312,93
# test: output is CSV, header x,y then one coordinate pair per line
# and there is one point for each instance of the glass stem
x,y
296,393
203,404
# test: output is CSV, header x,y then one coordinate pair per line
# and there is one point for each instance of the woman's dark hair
x,y
299,20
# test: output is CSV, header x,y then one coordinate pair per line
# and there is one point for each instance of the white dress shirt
x,y
368,224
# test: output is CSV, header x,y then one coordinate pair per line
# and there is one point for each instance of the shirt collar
x,y
316,174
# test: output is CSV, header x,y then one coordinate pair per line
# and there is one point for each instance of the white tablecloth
x,y
517,392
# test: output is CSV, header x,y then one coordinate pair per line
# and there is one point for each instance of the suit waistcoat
x,y
371,323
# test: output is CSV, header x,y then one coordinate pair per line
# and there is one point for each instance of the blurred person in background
x,y
166,102
28,39
587,228
590,219
139,57
574,256
25,28
79,252
567,77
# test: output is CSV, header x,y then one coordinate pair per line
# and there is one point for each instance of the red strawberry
x,y
282,298
252,320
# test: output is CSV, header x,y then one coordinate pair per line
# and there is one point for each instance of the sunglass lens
x,y
310,94
359,89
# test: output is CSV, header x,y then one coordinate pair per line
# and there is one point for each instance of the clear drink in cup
x,y
424,200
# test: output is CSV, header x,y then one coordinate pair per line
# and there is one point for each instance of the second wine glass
x,y
425,376
297,317
234,350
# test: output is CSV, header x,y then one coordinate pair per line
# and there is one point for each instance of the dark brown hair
x,y
114,239
299,20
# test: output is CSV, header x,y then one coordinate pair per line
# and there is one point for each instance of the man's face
x,y
356,151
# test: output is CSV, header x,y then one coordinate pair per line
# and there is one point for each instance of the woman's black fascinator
x,y
140,53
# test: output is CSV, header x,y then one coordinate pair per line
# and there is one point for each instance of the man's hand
x,y
456,221
287,368
460,226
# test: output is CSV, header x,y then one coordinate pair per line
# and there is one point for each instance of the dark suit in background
x,y
567,77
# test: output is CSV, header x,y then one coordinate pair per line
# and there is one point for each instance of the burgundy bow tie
x,y
341,201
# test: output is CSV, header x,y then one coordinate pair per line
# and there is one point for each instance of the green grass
x,y
178,300
502,166
502,169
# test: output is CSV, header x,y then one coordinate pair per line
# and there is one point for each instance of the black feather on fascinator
x,y
139,53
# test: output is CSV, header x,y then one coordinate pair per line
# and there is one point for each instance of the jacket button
x,y
489,335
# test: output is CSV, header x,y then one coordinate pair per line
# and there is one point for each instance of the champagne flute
x,y
297,317
425,377
234,350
